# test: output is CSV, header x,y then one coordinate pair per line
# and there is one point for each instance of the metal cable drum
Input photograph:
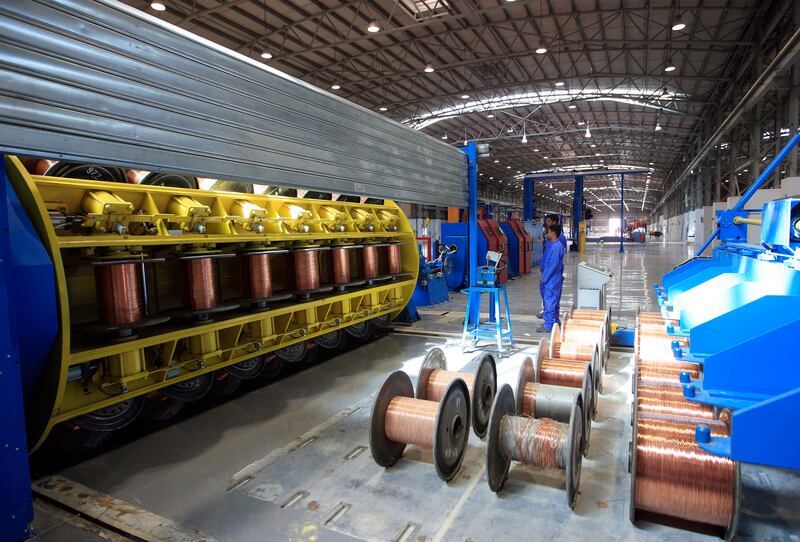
x,y
542,442
399,419
434,380
673,479
538,400
566,372
200,109
575,344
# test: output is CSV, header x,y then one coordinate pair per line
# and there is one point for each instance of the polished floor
x,y
271,463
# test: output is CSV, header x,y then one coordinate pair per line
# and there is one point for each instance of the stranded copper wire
x,y
119,293
562,372
340,258
306,270
670,402
675,478
200,290
369,262
411,421
571,350
259,275
393,259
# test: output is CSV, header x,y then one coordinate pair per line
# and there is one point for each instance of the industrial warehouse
x,y
399,270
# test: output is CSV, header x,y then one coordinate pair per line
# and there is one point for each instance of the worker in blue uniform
x,y
552,278
549,220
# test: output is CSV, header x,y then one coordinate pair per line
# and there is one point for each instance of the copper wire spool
x,y
260,275
200,288
340,258
666,373
589,314
542,442
672,476
306,270
562,372
369,262
393,259
571,350
582,332
670,403
119,293
434,380
398,419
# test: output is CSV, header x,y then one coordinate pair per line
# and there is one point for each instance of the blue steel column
x,y
528,199
487,213
577,208
621,213
471,150
16,505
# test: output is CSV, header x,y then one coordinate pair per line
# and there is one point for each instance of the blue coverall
x,y
551,282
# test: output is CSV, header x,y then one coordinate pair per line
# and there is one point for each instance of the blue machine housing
x,y
513,249
431,286
536,232
455,233
741,311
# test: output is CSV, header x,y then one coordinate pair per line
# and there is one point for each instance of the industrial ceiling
x,y
552,85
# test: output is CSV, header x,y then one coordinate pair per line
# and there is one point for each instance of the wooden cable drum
x,y
434,379
538,400
398,419
566,372
674,480
541,442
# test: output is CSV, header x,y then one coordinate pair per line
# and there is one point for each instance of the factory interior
x,y
399,270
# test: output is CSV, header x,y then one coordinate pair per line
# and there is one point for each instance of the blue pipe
x,y
770,169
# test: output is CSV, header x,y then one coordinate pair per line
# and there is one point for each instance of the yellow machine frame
x,y
128,217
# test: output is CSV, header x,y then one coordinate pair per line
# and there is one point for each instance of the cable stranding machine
x,y
112,218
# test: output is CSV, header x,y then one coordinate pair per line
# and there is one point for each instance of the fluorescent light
x,y
508,167
266,55
572,106
535,150
559,83
593,145
490,116
384,108
581,123
335,86
497,161
428,69
373,27
465,96
541,50
669,66
158,6
679,25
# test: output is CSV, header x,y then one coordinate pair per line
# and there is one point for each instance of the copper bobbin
x,y
259,275
200,284
393,264
369,262
306,270
119,293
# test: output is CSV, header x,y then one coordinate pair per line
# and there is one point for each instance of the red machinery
x,y
525,245
496,241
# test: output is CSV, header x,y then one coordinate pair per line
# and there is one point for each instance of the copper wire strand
x,y
341,265
369,261
670,402
674,477
440,380
588,314
306,270
572,350
562,372
411,421
534,441
393,259
529,394
582,333
119,293
259,276
201,285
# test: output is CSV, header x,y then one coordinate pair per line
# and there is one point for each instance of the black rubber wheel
x,y
295,353
168,179
224,384
233,186
273,368
248,369
191,389
360,331
335,340
89,172
158,407
111,418
68,438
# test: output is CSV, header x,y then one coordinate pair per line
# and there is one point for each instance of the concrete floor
x,y
217,468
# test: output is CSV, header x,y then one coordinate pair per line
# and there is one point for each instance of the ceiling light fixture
x,y
158,6
541,50
510,130
335,86
266,55
428,69
658,127
497,161
593,145
572,106
679,24
559,83
465,96
490,116
581,123
444,136
669,66
525,138
588,133
535,150
384,108
373,27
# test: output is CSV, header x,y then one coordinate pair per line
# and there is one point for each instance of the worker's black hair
x,y
555,219
556,228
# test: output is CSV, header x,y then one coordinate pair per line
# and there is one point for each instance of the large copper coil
x,y
562,372
260,275
571,350
411,421
369,262
119,293
393,259
306,270
670,403
582,332
340,258
666,373
200,288
674,477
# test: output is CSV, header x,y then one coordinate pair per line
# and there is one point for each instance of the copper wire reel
x,y
537,400
122,297
394,262
673,479
542,442
398,419
306,271
587,332
341,277
434,379
257,265
201,291
370,263
603,316
669,403
546,352
665,373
